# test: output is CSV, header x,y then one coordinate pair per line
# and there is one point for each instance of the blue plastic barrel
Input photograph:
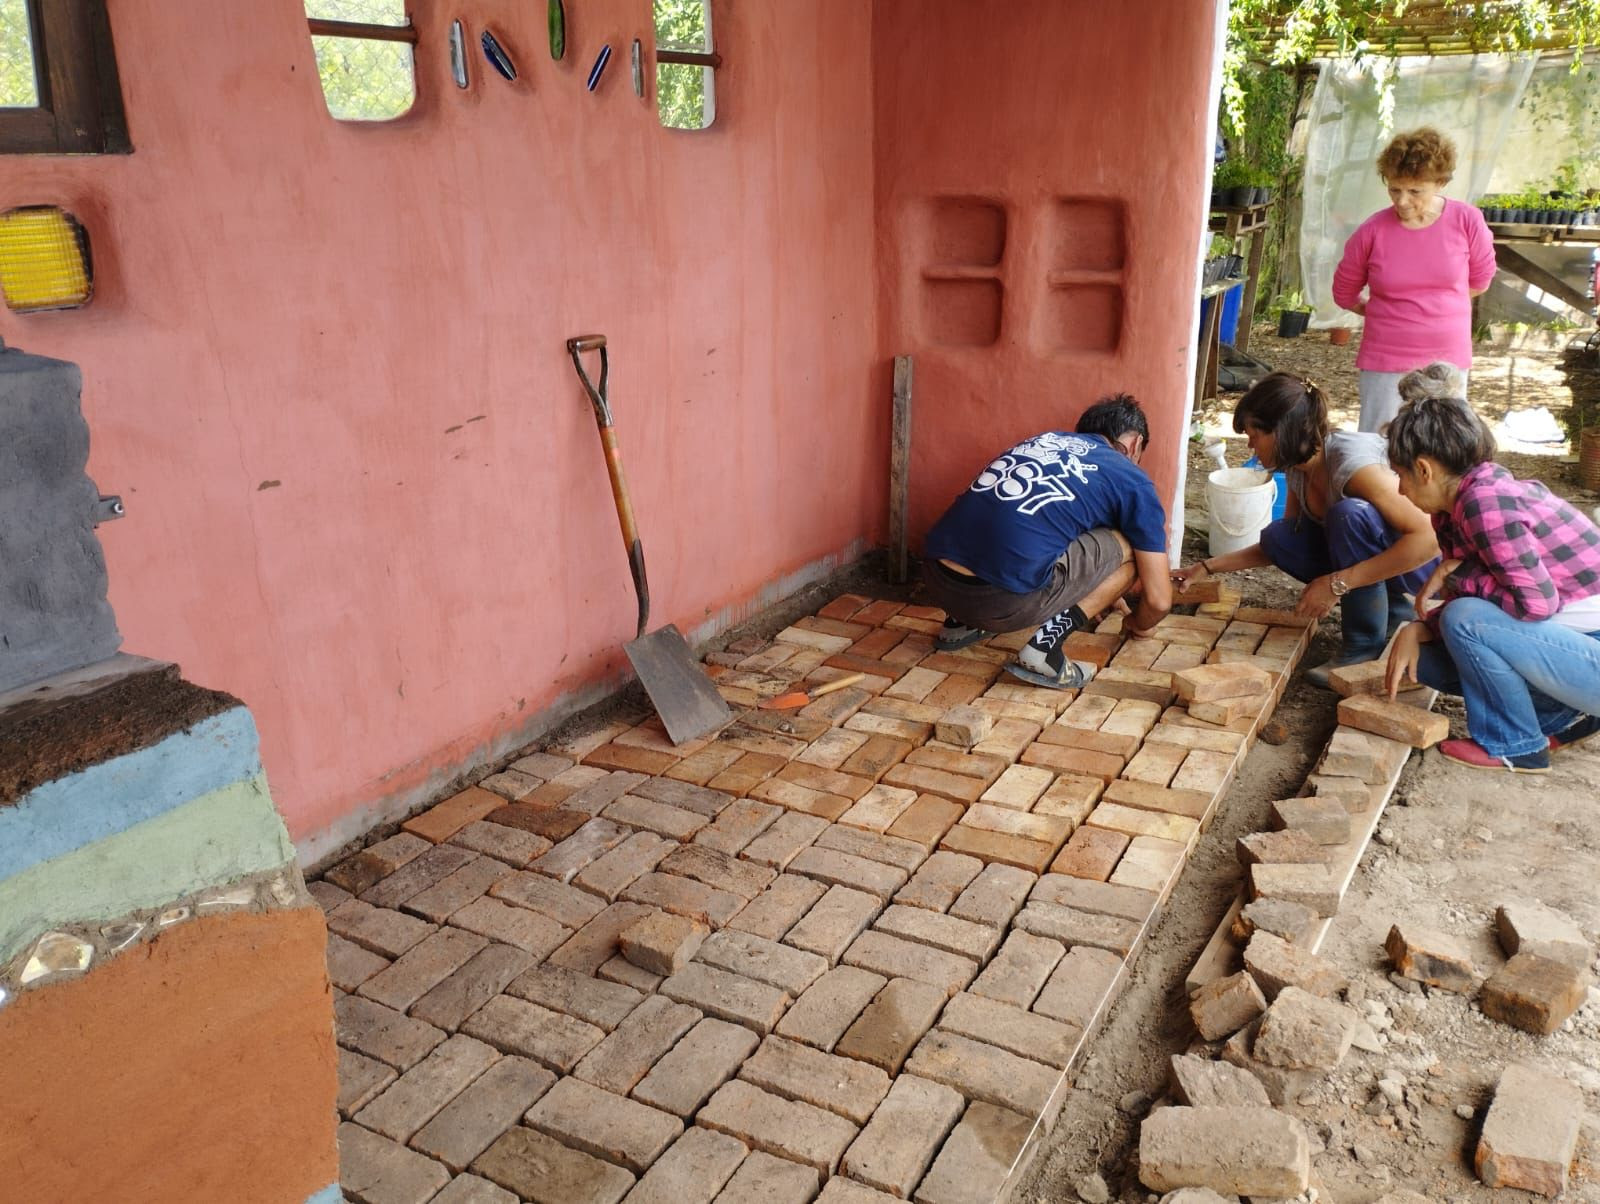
x,y
1229,329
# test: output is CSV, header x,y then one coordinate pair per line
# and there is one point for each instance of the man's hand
x,y
1317,599
1403,654
1181,577
1433,585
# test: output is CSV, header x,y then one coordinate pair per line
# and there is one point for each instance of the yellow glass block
x,y
44,259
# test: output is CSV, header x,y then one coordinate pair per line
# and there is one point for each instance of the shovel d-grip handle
x,y
619,483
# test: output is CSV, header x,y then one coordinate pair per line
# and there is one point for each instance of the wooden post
x,y
1252,277
899,470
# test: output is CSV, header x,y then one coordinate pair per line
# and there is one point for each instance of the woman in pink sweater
x,y
1421,262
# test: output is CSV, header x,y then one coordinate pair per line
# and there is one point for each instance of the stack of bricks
x,y
850,953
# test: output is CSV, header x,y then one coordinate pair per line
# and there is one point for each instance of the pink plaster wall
x,y
325,365
1080,127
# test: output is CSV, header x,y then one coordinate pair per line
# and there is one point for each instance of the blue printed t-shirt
x,y
1017,518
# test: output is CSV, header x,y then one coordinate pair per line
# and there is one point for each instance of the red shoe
x,y
1473,754
1580,731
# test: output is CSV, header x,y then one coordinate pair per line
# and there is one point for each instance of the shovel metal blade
x,y
683,695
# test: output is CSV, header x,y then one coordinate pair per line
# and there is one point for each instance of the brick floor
x,y
910,942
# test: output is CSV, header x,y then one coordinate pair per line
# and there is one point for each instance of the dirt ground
x,y
1453,845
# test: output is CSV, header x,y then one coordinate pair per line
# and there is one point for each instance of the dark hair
x,y
1114,417
1423,154
1445,429
1290,408
1438,379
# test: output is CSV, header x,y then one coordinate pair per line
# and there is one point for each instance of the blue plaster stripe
x,y
328,1195
103,800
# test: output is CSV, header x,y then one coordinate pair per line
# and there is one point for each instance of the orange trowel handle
x,y
619,483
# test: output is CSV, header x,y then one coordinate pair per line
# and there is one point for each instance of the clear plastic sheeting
x,y
1469,97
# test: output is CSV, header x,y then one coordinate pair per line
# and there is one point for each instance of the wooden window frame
x,y
80,95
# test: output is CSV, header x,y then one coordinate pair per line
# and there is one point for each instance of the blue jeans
x,y
1522,682
1353,530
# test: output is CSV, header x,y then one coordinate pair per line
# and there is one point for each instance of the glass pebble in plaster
x,y
173,915
5,997
57,953
226,896
119,936
282,890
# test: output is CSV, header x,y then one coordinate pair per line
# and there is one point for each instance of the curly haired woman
x,y
1420,262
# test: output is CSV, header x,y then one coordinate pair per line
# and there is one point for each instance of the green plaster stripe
x,y
92,804
210,841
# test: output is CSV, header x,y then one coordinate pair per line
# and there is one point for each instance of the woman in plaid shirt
x,y
1518,631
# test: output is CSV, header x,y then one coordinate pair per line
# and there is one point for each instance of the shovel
x,y
799,698
683,695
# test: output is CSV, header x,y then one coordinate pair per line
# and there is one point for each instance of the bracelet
x,y
1206,564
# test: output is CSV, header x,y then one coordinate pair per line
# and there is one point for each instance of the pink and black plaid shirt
x,y
1520,546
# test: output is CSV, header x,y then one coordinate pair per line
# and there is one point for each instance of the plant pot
x,y
1261,195
1292,323
1589,458
1216,198
1238,198
1339,336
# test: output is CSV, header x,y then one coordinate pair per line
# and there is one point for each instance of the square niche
x,y
966,232
1078,319
961,313
1087,234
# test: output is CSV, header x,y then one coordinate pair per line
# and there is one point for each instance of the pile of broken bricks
x,y
849,953
1279,1018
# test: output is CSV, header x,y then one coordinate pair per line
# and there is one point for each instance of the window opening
x,y
686,63
365,57
59,92
19,86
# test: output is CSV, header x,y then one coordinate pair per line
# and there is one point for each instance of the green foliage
x,y
18,88
365,80
1291,301
1232,173
681,89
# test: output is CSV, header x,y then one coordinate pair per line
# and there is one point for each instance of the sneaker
x,y
1072,675
1580,731
1471,753
955,635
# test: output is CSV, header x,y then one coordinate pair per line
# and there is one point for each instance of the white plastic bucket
x,y
1240,501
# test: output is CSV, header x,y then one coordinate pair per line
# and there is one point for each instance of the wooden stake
x,y
900,470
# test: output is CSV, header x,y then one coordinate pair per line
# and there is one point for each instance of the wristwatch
x,y
1338,585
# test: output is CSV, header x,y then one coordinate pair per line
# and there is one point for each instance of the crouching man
x,y
1051,534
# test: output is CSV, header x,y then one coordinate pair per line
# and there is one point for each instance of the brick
x,y
1150,864
778,1180
939,880
584,1117
1134,822
1302,1031
632,758
596,943
1080,987
1073,927
1312,885
916,684
699,768
1014,1029
326,895
1325,821
1253,1151
834,922
1177,657
1182,729
584,737
1535,928
422,968
904,854
1272,618
783,1128
1354,754
1276,964
549,824
484,976
843,1086
1123,687
564,785
686,1076
586,845
1087,712
1099,898
1224,711
1287,846
1353,793
966,726
841,705
685,897
931,928
672,822
891,1025
1210,683
1080,761
748,772
1530,1133
662,943
1132,716
593,797
815,639
846,869
373,1168
510,845
834,747
1117,744
360,1080
820,1016
541,1169
976,1160
783,841
896,958
1394,720
491,1104
827,781
994,896
876,756
1091,853
1046,829
726,996
683,795
898,1144
619,969
780,746
542,765
1533,993
735,827
983,1072
775,910
349,965
1225,1005
382,1033
1019,787
1205,772
925,780
1291,921
417,875
413,1099
1201,1083
530,1030
926,820
627,1054
455,890
1017,851
886,725
470,1189
713,868
1019,970
442,821
566,905
692,1171
1431,957
613,872
876,810
792,970
954,690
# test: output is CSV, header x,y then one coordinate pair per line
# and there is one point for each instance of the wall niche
x,y
961,243
1086,252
